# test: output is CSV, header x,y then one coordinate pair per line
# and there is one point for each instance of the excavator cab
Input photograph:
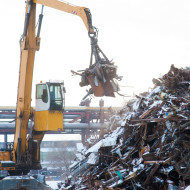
x,y
50,102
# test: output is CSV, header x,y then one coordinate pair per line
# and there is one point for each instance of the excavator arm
x,y
29,44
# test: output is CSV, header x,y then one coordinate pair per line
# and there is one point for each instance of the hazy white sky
x,y
143,37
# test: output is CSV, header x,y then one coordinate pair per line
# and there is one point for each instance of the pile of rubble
x,y
149,146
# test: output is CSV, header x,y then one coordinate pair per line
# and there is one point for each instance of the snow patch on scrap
x,y
109,140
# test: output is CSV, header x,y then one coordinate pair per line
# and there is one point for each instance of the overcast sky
x,y
144,37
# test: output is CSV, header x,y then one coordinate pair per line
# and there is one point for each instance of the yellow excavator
x,y
30,124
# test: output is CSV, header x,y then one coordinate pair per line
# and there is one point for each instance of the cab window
x,y
56,101
41,92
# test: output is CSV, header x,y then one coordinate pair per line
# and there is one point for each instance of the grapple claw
x,y
100,75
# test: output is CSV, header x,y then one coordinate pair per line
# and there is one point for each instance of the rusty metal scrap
x,y
152,141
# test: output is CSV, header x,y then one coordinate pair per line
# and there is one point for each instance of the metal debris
x,y
150,146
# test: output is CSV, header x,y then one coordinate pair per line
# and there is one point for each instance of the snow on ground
x,y
53,184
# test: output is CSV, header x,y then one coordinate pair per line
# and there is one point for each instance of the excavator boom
x,y
82,12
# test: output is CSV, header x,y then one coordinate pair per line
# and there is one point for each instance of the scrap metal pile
x,y
149,146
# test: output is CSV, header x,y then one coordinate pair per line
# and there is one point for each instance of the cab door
x,y
42,97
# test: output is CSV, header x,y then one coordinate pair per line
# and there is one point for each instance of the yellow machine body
x,y
45,120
